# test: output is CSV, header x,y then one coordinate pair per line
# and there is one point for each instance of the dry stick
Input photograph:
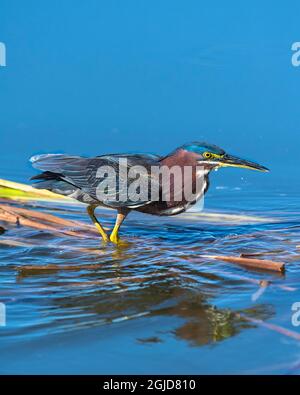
x,y
47,217
249,262
39,215
10,216
54,219
17,211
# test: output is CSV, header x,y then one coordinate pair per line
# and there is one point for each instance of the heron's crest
x,y
199,147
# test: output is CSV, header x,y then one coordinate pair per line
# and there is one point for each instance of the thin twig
x,y
273,327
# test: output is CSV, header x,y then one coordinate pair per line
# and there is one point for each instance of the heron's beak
x,y
234,161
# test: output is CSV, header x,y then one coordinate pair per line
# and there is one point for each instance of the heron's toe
x,y
118,242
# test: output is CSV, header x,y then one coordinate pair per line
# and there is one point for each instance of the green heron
x,y
79,177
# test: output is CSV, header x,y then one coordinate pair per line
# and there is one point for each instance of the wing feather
x,y
82,173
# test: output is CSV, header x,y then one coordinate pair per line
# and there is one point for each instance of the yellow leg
x,y
90,210
114,237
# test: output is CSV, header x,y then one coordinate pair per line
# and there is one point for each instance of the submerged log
x,y
264,264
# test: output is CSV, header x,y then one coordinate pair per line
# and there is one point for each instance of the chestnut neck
x,y
182,157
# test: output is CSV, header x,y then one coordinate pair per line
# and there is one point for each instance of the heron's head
x,y
210,155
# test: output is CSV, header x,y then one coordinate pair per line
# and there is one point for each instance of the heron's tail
x,y
52,178
53,182
52,162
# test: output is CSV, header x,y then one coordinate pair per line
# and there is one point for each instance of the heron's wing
x,y
108,178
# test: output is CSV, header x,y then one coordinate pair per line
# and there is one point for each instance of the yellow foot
x,y
114,238
120,243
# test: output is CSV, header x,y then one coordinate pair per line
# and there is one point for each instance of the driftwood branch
x,y
43,221
264,264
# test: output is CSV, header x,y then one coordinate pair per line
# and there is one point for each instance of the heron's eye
x,y
207,155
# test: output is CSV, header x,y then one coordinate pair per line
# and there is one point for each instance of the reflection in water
x,y
207,324
93,294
